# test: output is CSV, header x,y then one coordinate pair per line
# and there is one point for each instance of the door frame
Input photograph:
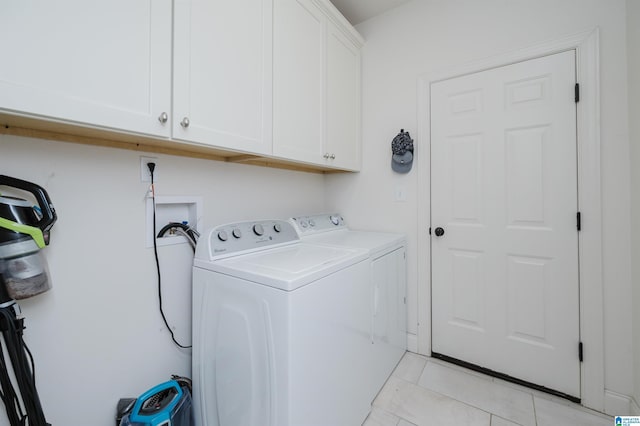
x,y
586,44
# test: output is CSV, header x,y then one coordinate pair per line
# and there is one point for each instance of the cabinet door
x,y
222,73
97,63
298,109
343,100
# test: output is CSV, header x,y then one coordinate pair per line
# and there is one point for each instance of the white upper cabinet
x,y
343,100
275,78
222,73
316,89
298,100
105,64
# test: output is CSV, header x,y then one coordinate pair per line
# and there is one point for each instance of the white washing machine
x,y
281,329
387,274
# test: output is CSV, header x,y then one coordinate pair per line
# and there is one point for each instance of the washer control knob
x,y
277,227
236,233
304,223
222,236
335,219
312,223
258,229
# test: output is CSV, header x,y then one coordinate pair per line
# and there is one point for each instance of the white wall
x,y
433,35
97,335
633,52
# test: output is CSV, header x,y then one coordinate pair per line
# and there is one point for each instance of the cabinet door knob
x,y
163,117
185,122
332,156
326,156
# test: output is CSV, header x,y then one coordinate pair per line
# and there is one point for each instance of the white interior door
x,y
504,191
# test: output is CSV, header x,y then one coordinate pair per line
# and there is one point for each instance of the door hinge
x,y
580,352
577,93
579,221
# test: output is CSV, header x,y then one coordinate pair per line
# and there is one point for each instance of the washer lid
x,y
288,267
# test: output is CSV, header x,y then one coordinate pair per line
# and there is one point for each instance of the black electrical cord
x,y
152,167
21,360
8,394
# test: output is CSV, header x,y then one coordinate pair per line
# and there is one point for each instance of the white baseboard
x,y
617,404
412,343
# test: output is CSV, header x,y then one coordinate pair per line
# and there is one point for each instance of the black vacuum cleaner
x,y
24,232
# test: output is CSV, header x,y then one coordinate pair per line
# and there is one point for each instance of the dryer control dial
x,y
258,229
222,236
236,233
311,225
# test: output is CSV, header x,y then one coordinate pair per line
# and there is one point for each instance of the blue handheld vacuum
x,y
167,404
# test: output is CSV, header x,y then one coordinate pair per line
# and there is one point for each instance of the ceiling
x,y
357,11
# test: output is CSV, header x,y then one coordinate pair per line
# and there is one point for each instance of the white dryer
x,y
388,284
280,329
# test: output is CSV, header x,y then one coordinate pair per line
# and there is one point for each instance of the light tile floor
x,y
424,391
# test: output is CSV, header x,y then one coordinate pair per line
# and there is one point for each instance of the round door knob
x,y
185,122
439,232
258,229
164,117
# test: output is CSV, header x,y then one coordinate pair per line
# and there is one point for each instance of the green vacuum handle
x,y
49,216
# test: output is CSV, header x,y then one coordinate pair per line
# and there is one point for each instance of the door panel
x,y
343,99
103,64
504,189
298,91
222,73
